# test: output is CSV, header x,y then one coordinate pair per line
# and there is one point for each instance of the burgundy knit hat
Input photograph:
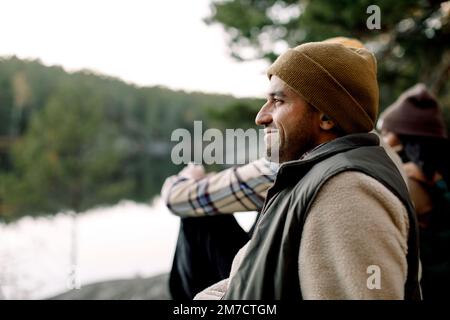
x,y
416,112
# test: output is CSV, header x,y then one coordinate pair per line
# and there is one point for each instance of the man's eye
x,y
277,101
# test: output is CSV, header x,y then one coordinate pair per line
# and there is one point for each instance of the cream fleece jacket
x,y
355,222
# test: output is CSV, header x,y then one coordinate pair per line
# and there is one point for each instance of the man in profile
x,y
338,222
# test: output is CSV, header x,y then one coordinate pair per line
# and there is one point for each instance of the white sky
x,y
146,42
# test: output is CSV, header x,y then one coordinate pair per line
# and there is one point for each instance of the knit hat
x,y
416,112
338,80
348,42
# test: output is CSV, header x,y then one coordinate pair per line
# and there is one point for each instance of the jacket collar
x,y
328,149
337,145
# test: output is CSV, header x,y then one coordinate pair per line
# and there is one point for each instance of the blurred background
x,y
90,92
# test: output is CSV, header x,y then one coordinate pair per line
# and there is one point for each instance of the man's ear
x,y
325,122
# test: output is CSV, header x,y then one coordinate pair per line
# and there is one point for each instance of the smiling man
x,y
291,125
338,222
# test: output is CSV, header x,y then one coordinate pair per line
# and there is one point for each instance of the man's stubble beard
x,y
295,148
296,144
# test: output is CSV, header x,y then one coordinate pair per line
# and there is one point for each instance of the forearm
x,y
232,190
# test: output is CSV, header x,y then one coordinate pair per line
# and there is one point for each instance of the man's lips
x,y
270,135
267,130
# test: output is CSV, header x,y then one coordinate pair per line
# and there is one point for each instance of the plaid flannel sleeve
x,y
232,190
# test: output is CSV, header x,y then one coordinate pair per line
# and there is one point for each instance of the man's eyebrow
x,y
280,94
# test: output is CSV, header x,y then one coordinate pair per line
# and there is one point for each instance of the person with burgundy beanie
x,y
414,125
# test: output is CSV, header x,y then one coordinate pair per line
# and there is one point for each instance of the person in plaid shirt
x,y
205,203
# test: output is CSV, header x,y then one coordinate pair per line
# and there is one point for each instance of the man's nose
x,y
264,116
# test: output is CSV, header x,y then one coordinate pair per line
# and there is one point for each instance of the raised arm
x,y
232,190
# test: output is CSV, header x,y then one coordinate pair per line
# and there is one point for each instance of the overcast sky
x,y
146,42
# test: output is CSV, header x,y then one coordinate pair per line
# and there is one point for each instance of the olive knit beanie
x,y
416,112
338,80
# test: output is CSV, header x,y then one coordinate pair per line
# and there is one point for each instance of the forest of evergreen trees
x,y
71,141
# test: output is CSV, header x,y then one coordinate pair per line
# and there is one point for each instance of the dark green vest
x,y
269,269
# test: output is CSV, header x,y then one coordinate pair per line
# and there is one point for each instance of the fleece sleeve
x,y
354,241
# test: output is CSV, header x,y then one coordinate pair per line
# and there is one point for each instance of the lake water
x,y
123,241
